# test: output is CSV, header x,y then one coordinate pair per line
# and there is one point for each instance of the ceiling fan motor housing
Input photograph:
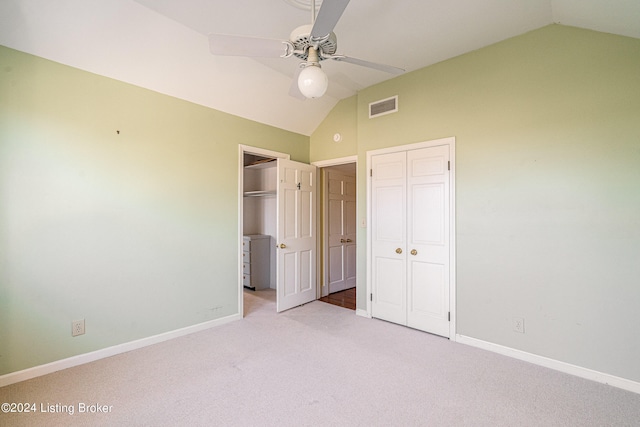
x,y
301,40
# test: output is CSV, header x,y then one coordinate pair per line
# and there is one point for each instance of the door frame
x,y
450,142
323,273
242,150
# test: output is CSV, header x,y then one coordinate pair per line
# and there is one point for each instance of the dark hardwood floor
x,y
346,298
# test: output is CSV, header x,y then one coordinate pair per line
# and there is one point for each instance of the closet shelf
x,y
262,193
261,164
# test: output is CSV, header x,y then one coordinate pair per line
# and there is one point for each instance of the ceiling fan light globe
x,y
312,81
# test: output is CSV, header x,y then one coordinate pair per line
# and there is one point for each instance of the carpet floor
x,y
318,364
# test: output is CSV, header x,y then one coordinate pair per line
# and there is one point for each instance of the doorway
x,y
257,223
277,227
345,299
338,231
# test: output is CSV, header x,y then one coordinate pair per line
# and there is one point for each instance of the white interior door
x,y
296,234
388,233
410,243
428,240
341,225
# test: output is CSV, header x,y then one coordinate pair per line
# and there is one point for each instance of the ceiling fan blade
x,y
229,45
328,16
294,90
381,67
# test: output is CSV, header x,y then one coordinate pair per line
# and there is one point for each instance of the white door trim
x,y
451,142
336,162
242,149
323,289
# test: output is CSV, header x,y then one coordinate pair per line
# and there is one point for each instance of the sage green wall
x,y
547,129
136,231
342,120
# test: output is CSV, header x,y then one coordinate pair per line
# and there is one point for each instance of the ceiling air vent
x,y
384,106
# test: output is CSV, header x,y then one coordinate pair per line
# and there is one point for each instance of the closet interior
x,y
259,222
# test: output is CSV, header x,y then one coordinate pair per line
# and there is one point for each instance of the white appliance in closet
x,y
256,261
280,201
410,193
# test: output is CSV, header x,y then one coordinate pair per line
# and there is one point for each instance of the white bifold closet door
x,y
410,238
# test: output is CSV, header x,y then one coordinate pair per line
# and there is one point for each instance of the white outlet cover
x,y
77,328
518,324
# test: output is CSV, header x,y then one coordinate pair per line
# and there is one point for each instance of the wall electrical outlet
x,y
518,324
77,328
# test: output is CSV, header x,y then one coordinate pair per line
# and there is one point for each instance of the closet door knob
x,y
414,252
282,246
349,240
398,251
343,241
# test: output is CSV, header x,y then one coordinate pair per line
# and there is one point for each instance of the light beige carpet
x,y
316,365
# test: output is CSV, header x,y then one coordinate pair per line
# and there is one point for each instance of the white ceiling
x,y
162,44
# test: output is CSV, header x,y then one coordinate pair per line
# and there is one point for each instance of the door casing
x,y
323,290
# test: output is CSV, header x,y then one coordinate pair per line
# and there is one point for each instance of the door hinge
x,y
370,297
370,172
449,165
449,317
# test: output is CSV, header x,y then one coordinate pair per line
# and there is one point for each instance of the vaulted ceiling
x,y
162,45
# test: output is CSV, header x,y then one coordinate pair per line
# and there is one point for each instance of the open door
x,y
296,234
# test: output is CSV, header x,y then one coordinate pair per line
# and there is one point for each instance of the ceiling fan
x,y
311,43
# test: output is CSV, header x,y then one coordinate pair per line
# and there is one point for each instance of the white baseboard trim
x,y
553,364
81,359
363,313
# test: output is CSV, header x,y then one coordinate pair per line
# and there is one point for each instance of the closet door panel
x,y
389,224
427,297
428,214
390,295
427,239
